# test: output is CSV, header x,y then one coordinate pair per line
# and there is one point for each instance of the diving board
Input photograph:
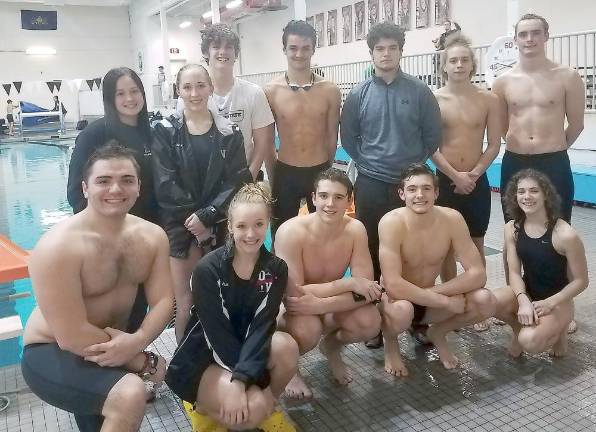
x,y
13,261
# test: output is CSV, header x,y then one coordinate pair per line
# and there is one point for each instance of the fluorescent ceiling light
x,y
185,24
234,4
40,51
208,14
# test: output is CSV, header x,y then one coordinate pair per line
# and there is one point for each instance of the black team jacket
x,y
232,321
177,186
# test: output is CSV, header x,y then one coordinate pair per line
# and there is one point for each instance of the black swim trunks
x,y
555,165
67,381
474,207
290,185
9,118
419,312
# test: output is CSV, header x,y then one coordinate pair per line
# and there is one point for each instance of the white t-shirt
x,y
247,106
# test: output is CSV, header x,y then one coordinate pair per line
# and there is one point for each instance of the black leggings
x,y
554,165
67,381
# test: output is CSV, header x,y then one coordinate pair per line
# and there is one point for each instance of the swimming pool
x,y
32,199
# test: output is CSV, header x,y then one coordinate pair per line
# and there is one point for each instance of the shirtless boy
x,y
538,303
539,95
306,111
85,273
318,249
410,269
466,112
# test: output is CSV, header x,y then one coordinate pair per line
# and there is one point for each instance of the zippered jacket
x,y
232,321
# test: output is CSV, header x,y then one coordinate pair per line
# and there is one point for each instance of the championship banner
x,y
39,20
7,88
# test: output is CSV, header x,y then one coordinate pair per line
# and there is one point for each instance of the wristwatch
x,y
150,364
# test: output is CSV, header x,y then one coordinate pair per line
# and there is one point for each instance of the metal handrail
x,y
575,49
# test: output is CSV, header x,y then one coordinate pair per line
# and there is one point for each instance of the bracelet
x,y
520,293
150,364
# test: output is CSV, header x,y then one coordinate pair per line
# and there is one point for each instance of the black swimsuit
x,y
545,270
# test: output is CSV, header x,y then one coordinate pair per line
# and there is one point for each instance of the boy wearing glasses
x,y
306,111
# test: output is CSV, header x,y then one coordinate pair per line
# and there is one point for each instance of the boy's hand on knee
x,y
119,350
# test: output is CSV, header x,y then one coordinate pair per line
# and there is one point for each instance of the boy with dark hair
x,y
386,30
306,109
242,102
85,272
299,28
388,122
410,270
322,305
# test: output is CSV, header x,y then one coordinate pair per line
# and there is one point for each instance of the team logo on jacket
x,y
264,281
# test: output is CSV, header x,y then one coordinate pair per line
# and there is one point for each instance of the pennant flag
x,y
58,84
17,85
7,88
50,86
90,84
97,82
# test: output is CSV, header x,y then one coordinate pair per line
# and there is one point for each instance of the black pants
x,y
554,165
290,185
373,199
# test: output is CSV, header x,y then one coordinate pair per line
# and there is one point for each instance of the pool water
x,y
33,181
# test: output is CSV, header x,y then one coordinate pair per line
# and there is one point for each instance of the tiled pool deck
x,y
489,392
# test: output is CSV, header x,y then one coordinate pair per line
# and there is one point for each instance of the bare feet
x,y
572,327
559,349
394,364
447,358
482,325
340,371
515,349
297,388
